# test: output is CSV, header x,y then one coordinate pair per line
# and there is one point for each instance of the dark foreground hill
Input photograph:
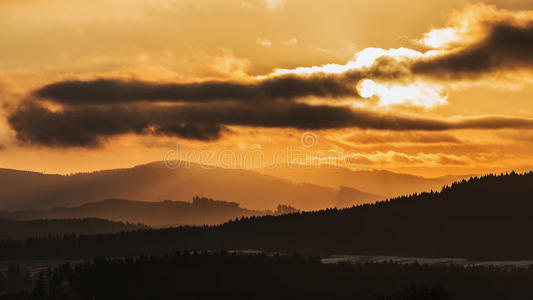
x,y
155,182
253,277
20,230
158,214
483,218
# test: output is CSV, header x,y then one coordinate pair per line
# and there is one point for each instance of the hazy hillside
x,y
377,182
167,213
21,190
20,230
348,197
484,218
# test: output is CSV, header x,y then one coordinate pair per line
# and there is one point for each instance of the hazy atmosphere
x,y
266,149
430,88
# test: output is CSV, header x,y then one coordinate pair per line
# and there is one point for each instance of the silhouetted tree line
x,y
285,209
23,229
221,275
418,293
483,218
15,282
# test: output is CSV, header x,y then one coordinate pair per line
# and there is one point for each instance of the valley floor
x,y
36,266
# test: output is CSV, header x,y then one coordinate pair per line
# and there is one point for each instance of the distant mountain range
x,y
23,190
487,218
378,182
201,211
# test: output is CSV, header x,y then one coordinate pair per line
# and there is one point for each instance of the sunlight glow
x,y
367,88
440,38
418,93
362,59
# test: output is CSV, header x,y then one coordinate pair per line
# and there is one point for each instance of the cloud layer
x,y
89,126
506,47
110,91
480,41
484,41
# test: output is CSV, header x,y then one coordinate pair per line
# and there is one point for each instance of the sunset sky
x,y
422,87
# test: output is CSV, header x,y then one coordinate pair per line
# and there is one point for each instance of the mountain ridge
x,y
23,190
380,182
484,218
201,211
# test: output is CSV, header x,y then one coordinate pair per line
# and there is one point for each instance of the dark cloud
x,y
203,132
37,125
109,91
506,47
491,122
89,126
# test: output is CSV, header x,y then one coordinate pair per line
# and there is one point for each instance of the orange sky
x,y
426,87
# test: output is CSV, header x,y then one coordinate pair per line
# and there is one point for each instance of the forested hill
x,y
485,218
20,230
158,214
